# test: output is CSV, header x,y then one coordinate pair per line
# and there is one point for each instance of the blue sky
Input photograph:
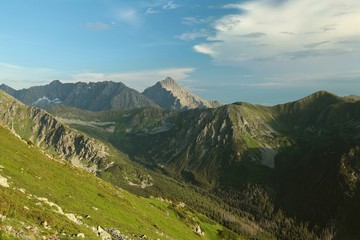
x,y
260,51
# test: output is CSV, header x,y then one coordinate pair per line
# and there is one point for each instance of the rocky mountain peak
x,y
55,82
169,83
169,95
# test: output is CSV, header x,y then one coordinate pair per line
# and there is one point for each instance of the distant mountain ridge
x,y
169,95
91,96
108,95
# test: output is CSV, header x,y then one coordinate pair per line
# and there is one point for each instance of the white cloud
x,y
189,36
97,26
281,31
138,80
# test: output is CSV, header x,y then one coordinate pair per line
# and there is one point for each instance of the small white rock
x,y
80,235
4,182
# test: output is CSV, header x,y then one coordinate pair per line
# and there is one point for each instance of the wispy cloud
x,y
138,80
170,5
19,76
97,26
195,20
151,11
158,6
189,36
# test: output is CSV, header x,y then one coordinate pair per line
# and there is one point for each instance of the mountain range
x,y
100,96
289,171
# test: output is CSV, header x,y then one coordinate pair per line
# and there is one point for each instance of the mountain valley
x,y
289,171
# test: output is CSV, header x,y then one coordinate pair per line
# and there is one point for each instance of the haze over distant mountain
x,y
169,95
91,96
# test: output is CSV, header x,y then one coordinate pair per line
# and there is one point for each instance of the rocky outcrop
x,y
169,95
38,127
104,235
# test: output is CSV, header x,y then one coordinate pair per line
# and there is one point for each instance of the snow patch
x,y
44,98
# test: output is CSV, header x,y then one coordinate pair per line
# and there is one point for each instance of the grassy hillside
x,y
49,197
36,126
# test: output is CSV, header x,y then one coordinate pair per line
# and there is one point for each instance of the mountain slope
x,y
89,96
169,95
35,126
45,199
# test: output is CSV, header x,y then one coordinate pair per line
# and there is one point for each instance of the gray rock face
x,y
97,96
40,128
169,95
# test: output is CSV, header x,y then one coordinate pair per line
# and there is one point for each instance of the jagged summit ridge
x,y
169,95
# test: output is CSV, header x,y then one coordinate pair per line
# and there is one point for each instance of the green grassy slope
x,y
32,177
